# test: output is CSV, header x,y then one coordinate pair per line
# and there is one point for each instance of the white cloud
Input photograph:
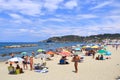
x,y
71,4
86,16
101,5
16,18
26,7
52,5
55,19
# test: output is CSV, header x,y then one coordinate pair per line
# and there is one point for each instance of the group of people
x,y
75,59
27,60
15,70
100,57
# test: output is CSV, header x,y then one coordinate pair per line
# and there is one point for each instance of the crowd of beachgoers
x,y
78,61
77,52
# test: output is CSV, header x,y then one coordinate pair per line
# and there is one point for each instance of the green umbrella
x,y
40,50
101,51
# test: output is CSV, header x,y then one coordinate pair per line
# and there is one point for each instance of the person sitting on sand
x,y
97,58
101,57
76,59
11,69
17,67
63,60
17,71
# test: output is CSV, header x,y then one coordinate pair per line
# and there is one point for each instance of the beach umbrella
x,y
86,46
42,56
96,46
88,49
101,51
50,52
77,53
77,49
15,59
65,53
108,53
40,50
24,53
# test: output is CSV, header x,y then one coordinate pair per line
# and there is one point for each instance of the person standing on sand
x,y
31,63
25,62
33,54
76,59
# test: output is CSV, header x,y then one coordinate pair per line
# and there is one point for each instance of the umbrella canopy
x,y
24,53
108,53
77,49
77,53
42,56
40,50
15,59
50,52
86,46
95,46
101,51
88,49
65,53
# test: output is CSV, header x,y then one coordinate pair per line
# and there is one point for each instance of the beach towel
x,y
45,70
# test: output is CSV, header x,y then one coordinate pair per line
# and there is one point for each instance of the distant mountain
x,y
76,38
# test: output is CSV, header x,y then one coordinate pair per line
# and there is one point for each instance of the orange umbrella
x,y
50,52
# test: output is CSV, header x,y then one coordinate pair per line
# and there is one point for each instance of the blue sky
x,y
35,20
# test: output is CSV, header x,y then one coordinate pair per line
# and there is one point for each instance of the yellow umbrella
x,y
85,46
95,47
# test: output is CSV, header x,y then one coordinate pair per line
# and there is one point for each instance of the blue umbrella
x,y
108,53
77,49
88,49
24,53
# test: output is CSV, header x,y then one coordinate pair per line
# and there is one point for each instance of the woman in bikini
x,y
76,59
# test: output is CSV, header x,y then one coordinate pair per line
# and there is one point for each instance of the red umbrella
x,y
65,53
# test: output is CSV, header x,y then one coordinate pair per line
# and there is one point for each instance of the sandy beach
x,y
89,69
